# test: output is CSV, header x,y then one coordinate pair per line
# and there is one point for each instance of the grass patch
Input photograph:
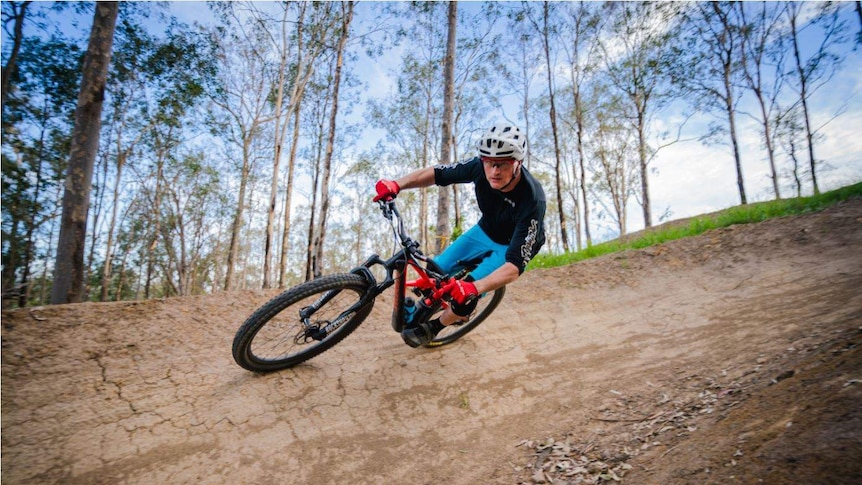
x,y
742,214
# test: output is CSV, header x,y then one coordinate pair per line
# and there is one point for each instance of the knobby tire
x,y
274,327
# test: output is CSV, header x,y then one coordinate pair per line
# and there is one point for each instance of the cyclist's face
x,y
499,171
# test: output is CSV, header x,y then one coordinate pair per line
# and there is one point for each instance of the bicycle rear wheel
x,y
274,337
487,303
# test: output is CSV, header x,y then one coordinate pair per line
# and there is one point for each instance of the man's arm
x,y
500,277
424,177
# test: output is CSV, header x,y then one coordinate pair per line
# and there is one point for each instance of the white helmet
x,y
503,141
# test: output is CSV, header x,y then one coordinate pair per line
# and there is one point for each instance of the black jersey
x,y
514,218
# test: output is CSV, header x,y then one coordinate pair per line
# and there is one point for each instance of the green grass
x,y
743,214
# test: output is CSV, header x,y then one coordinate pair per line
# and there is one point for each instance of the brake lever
x,y
442,294
386,208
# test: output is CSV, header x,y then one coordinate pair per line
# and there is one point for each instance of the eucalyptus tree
x,y
317,107
239,116
123,286
317,29
810,73
612,150
125,120
296,41
154,81
358,177
788,132
192,204
763,67
547,34
281,43
41,76
69,265
713,74
446,136
346,19
640,34
523,48
581,44
317,121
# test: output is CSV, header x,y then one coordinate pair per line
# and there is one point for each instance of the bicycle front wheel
x,y
487,303
301,323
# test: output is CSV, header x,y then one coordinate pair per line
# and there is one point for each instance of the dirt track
x,y
730,357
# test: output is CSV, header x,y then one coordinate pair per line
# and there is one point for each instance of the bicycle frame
x,y
429,279
428,284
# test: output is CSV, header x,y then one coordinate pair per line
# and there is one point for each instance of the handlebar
x,y
389,210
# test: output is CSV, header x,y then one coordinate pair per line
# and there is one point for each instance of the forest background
x,y
239,142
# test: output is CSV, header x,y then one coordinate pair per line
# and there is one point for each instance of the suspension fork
x,y
374,289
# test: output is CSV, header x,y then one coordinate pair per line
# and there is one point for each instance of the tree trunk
x,y
754,42
733,136
803,97
291,167
312,211
553,115
278,134
525,101
296,103
579,170
50,250
770,148
304,71
69,266
443,229
582,161
11,266
456,198
644,172
233,250
106,269
347,12
119,294
795,160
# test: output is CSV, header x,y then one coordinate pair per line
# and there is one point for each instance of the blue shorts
x,y
472,244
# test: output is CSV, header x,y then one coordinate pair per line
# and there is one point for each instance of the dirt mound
x,y
729,357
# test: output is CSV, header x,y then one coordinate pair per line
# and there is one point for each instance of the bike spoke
x,y
285,335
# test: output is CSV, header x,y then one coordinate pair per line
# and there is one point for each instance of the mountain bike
x,y
312,317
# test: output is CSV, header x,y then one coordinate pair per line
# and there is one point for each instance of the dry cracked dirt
x,y
732,357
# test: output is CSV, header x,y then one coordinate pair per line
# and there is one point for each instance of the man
x,y
510,231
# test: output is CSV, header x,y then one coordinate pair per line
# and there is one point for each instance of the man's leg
x,y
471,244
